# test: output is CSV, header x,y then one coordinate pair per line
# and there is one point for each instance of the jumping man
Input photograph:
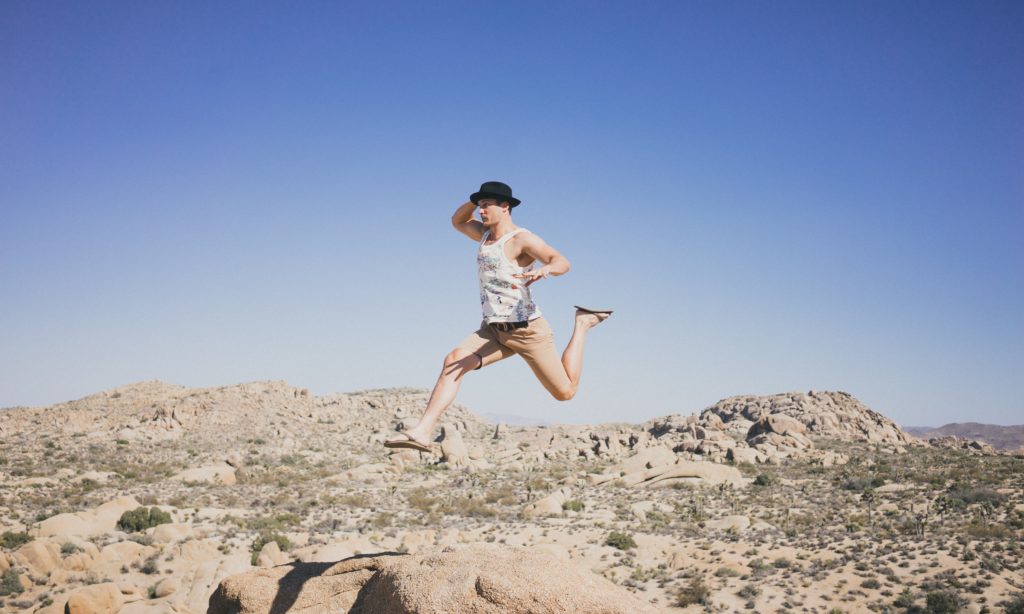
x,y
512,322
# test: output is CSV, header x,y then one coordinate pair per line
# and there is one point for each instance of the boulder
x,y
296,587
105,598
551,505
686,471
744,455
453,448
270,555
102,519
491,579
655,456
170,532
735,523
41,556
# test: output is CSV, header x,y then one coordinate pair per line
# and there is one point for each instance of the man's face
x,y
491,210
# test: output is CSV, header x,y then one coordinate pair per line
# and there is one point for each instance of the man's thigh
x,y
484,344
536,344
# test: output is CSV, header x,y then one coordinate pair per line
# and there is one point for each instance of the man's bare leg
x,y
572,357
456,364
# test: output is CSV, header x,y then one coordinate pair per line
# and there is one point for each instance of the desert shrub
x,y
942,602
695,592
726,572
622,541
9,582
766,479
905,599
871,583
979,530
419,499
859,483
469,506
749,591
149,567
1015,605
266,537
782,563
574,505
502,495
277,522
142,518
11,540
69,548
974,494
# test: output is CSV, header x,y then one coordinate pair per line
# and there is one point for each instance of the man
x,y
512,322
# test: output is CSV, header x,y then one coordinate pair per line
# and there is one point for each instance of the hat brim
x,y
512,202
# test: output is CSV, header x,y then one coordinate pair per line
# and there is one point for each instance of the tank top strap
x,y
504,239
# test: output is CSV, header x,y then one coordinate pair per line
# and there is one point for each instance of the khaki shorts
x,y
535,343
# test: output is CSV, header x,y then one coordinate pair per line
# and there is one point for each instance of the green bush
x,y
1015,605
622,541
574,505
696,592
905,599
11,540
266,537
9,584
142,518
765,479
942,602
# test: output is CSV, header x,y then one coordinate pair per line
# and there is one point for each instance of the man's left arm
x,y
555,264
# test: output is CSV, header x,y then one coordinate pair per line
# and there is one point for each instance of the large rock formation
x,y
481,578
825,414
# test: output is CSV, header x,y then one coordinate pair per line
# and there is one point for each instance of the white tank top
x,y
503,298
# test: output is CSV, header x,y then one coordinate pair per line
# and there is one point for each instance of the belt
x,y
507,326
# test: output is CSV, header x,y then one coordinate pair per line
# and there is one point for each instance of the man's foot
x,y
591,317
407,441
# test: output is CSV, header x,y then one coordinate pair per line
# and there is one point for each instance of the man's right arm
x,y
463,221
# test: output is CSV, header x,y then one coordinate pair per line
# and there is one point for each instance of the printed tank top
x,y
503,298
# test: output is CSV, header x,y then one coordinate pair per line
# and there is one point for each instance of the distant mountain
x,y
998,436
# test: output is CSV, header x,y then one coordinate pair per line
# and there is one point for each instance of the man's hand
x,y
534,275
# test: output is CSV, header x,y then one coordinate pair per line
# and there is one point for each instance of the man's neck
x,y
498,230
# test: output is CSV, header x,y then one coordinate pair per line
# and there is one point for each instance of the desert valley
x,y
154,498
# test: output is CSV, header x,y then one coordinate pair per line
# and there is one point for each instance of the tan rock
x,y
453,448
655,456
735,523
39,555
297,587
102,519
166,587
551,505
270,555
170,532
705,472
102,598
490,579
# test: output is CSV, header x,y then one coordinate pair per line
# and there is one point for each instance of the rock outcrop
x,y
480,578
825,414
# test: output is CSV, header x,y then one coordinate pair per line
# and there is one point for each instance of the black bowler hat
x,y
497,190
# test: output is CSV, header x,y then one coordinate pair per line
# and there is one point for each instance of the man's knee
x,y
459,356
564,393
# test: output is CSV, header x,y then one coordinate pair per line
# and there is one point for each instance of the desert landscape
x,y
260,497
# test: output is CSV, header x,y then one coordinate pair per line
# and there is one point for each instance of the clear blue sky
x,y
776,196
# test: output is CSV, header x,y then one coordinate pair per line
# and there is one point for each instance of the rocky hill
x,y
835,415
294,497
226,416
